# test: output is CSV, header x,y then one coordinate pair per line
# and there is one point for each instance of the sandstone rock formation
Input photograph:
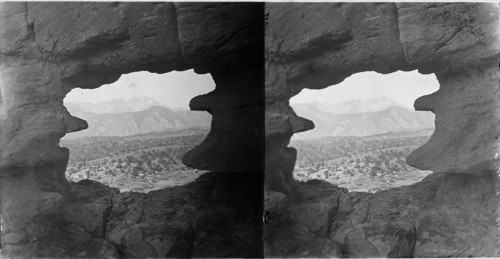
x,y
47,49
453,212
445,215
50,48
217,215
316,45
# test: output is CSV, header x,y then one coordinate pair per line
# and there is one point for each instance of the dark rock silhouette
x,y
218,215
453,212
457,42
445,215
47,49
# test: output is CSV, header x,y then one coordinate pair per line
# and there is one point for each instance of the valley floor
x,y
360,164
366,183
139,163
142,183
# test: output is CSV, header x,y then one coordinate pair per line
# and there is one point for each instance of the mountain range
x,y
361,118
141,115
352,106
138,115
133,104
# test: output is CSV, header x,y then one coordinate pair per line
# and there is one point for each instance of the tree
x,y
138,169
387,164
130,159
111,172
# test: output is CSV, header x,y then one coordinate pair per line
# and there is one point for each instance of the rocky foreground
x,y
218,215
445,215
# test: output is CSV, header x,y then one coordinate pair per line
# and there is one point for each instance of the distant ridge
x,y
118,105
151,118
352,106
361,118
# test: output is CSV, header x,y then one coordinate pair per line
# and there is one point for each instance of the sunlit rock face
x,y
316,45
47,49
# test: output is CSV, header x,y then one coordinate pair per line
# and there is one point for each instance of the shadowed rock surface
x,y
454,211
218,215
49,48
445,215
316,45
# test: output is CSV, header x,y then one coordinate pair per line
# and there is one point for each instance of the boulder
x,y
154,239
319,248
381,239
444,215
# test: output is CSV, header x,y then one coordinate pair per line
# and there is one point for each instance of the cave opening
x,y
139,127
365,127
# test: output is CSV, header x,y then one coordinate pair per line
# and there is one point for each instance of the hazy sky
x,y
401,87
174,89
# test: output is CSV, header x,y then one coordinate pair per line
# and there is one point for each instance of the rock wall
x,y
217,215
49,48
444,215
454,212
316,45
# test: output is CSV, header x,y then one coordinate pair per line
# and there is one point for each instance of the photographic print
x,y
382,129
131,130
249,129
